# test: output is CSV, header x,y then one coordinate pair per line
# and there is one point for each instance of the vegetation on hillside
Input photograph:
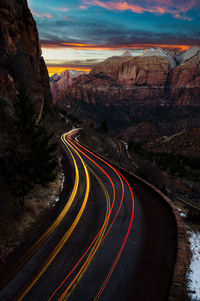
x,y
28,152
174,164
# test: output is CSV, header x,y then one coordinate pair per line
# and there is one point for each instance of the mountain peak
x,y
187,55
127,53
160,53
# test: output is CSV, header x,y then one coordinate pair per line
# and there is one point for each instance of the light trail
x,y
53,226
129,228
100,229
121,249
67,234
92,253
63,296
101,235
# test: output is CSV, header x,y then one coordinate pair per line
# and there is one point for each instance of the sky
x,y
77,34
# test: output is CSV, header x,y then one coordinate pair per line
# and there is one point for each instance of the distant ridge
x,y
127,53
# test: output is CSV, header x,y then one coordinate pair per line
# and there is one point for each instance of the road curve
x,y
115,239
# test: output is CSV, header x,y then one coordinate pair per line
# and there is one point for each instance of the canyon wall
x,y
20,53
150,79
140,98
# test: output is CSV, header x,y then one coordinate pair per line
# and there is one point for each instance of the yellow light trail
x,y
57,221
127,234
64,294
64,239
92,253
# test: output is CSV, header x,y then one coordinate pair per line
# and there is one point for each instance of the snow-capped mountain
x,y
159,52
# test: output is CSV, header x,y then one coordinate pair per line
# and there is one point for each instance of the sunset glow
x,y
116,47
82,33
58,70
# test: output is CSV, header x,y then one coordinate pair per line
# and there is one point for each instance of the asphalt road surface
x,y
115,239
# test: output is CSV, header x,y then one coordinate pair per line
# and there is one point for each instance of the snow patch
x,y
77,138
63,181
159,52
182,214
194,272
57,199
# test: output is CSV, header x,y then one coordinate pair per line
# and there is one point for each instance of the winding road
x,y
115,239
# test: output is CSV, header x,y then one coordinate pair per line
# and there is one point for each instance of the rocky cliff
x,y
20,52
156,78
157,93
60,83
185,81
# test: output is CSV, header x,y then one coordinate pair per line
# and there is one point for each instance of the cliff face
x,y
155,80
139,97
20,52
60,83
185,82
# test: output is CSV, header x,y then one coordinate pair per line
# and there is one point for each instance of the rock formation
x,y
59,83
139,97
158,52
20,53
154,78
185,81
187,55
126,53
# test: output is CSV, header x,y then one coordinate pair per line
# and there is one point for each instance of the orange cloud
x,y
84,46
112,5
152,6
58,70
42,15
83,7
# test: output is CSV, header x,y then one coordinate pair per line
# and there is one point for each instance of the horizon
x,y
78,34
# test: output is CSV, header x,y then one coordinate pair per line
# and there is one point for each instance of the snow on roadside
x,y
57,196
182,214
126,146
194,272
193,275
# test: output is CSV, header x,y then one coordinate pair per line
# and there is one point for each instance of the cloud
x,y
91,35
84,7
85,64
101,47
67,18
41,15
63,9
176,8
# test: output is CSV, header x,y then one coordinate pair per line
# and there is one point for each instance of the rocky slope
x,y
186,143
59,83
20,53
